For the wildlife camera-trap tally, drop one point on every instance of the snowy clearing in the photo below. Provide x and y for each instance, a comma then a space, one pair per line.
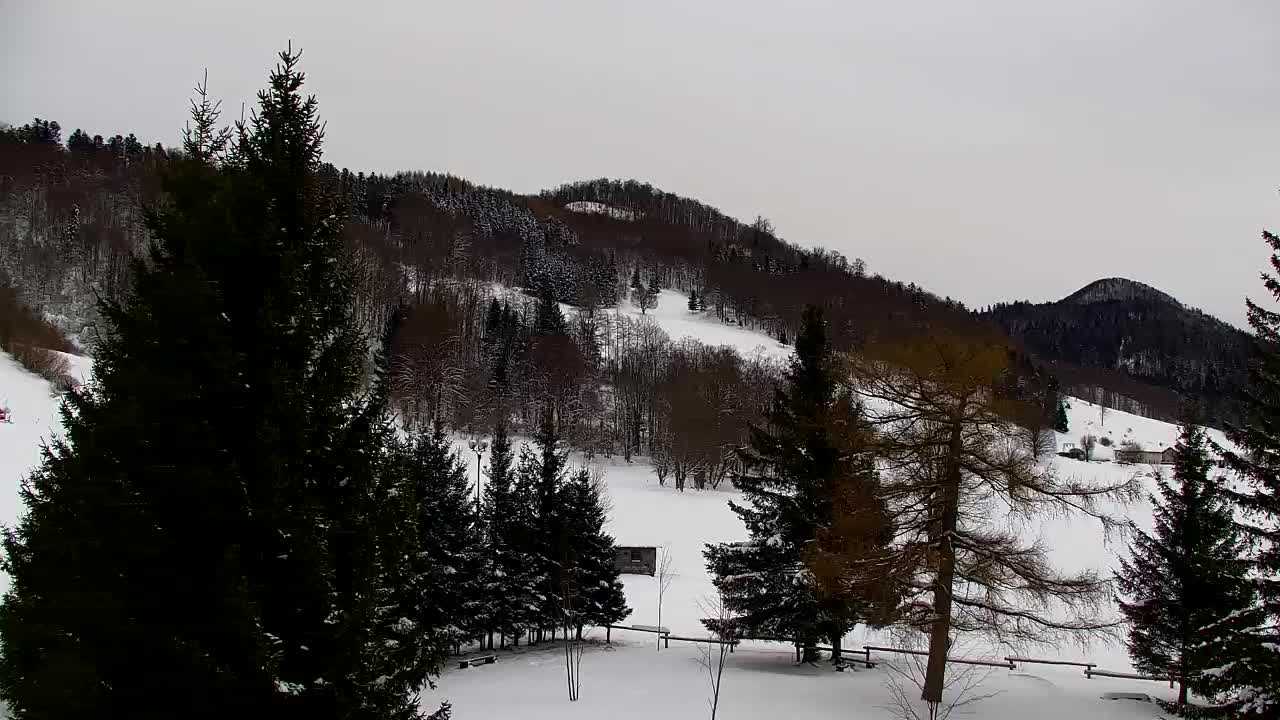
595, 208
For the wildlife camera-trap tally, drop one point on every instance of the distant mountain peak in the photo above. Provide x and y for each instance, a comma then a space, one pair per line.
1112, 289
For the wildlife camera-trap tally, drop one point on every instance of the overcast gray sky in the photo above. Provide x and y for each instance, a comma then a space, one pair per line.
987, 150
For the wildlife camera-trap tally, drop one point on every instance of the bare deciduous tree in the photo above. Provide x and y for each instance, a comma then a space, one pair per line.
427, 375
664, 582
569, 592
713, 655
646, 298
1088, 443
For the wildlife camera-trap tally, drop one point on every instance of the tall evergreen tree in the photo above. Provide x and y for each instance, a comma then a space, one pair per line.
1254, 677
652, 291
1186, 576
802, 471
591, 556
540, 479
492, 322
511, 585
209, 533
449, 543
693, 301
550, 319
1060, 422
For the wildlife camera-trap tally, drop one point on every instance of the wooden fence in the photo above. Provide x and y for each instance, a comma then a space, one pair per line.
1010, 662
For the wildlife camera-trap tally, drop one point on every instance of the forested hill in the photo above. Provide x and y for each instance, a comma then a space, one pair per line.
71, 216
1120, 324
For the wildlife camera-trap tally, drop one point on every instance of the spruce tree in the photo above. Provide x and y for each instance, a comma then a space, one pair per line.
693, 301
803, 472
1060, 422
1253, 678
492, 323
540, 479
449, 543
1186, 576
550, 319
511, 584
209, 536
652, 292
592, 554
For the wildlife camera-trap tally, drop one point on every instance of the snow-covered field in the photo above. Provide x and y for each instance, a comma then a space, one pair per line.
630, 678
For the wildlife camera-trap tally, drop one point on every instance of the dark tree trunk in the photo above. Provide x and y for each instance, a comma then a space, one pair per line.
940, 633
810, 651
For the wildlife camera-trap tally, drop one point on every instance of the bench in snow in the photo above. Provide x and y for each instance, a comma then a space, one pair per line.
841, 663
1140, 697
480, 660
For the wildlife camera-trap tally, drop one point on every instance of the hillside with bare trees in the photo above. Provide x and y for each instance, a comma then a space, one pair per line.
431, 247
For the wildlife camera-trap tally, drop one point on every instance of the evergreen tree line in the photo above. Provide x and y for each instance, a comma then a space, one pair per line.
524, 559
231, 523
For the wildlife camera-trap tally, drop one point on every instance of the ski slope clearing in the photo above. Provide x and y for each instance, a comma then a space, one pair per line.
672, 314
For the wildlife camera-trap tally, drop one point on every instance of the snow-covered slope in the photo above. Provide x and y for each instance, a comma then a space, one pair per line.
673, 316
631, 678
